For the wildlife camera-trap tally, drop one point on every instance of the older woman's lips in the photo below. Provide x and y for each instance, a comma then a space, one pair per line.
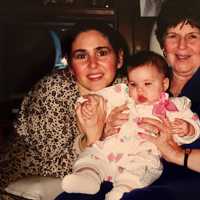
182, 57
142, 99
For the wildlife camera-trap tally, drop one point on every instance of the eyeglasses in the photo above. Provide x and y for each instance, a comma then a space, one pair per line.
189, 38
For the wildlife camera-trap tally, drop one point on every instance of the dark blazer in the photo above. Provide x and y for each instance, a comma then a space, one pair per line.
191, 90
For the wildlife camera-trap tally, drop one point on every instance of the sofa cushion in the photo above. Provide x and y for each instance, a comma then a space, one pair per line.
36, 188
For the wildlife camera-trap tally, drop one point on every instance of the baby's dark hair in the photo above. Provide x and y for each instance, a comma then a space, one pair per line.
148, 58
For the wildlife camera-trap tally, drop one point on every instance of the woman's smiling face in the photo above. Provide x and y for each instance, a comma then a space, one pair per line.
182, 48
94, 62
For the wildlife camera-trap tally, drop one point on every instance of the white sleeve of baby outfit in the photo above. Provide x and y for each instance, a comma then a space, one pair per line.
77, 143
183, 104
115, 95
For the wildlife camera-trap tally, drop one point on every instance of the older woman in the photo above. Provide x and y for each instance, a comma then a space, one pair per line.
178, 32
46, 127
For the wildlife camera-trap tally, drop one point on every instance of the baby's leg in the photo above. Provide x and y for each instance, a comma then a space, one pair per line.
89, 172
124, 182
86, 180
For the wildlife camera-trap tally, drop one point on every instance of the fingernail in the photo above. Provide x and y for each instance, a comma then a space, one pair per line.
141, 134
139, 121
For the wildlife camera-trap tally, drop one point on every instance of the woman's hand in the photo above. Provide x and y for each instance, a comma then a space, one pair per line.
164, 141
91, 115
115, 119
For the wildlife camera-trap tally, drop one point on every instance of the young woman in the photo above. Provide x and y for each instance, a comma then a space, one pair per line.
46, 128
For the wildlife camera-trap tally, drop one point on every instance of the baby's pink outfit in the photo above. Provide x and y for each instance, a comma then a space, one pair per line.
126, 158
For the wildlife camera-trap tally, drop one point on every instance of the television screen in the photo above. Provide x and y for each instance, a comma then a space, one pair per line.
27, 53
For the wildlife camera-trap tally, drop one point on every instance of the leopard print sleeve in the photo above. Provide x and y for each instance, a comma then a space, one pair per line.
48, 125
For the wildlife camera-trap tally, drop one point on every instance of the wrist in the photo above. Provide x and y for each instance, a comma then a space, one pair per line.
83, 142
88, 143
183, 156
180, 157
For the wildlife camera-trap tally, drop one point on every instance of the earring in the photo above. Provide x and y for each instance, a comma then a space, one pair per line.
164, 53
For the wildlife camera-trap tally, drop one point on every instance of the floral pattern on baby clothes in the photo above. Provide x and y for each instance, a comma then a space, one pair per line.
195, 117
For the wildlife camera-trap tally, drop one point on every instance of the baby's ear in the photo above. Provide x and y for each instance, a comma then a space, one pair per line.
166, 83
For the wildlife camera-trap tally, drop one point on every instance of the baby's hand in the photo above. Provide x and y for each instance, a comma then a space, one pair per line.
89, 106
91, 115
182, 128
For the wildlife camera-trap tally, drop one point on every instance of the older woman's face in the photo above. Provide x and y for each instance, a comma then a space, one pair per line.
94, 62
182, 48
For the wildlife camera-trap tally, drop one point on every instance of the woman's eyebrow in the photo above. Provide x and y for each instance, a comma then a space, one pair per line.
97, 49
103, 47
78, 51
173, 32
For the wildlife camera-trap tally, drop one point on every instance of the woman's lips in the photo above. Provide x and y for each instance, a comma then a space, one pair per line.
95, 76
182, 57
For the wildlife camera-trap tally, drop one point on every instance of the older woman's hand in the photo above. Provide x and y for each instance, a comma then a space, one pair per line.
115, 119
164, 141
91, 115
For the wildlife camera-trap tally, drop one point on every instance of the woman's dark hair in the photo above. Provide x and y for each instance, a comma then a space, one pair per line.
148, 58
174, 12
114, 37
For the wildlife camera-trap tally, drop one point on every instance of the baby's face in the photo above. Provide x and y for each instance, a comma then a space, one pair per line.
146, 84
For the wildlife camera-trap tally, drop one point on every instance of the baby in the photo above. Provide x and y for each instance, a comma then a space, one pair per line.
125, 158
